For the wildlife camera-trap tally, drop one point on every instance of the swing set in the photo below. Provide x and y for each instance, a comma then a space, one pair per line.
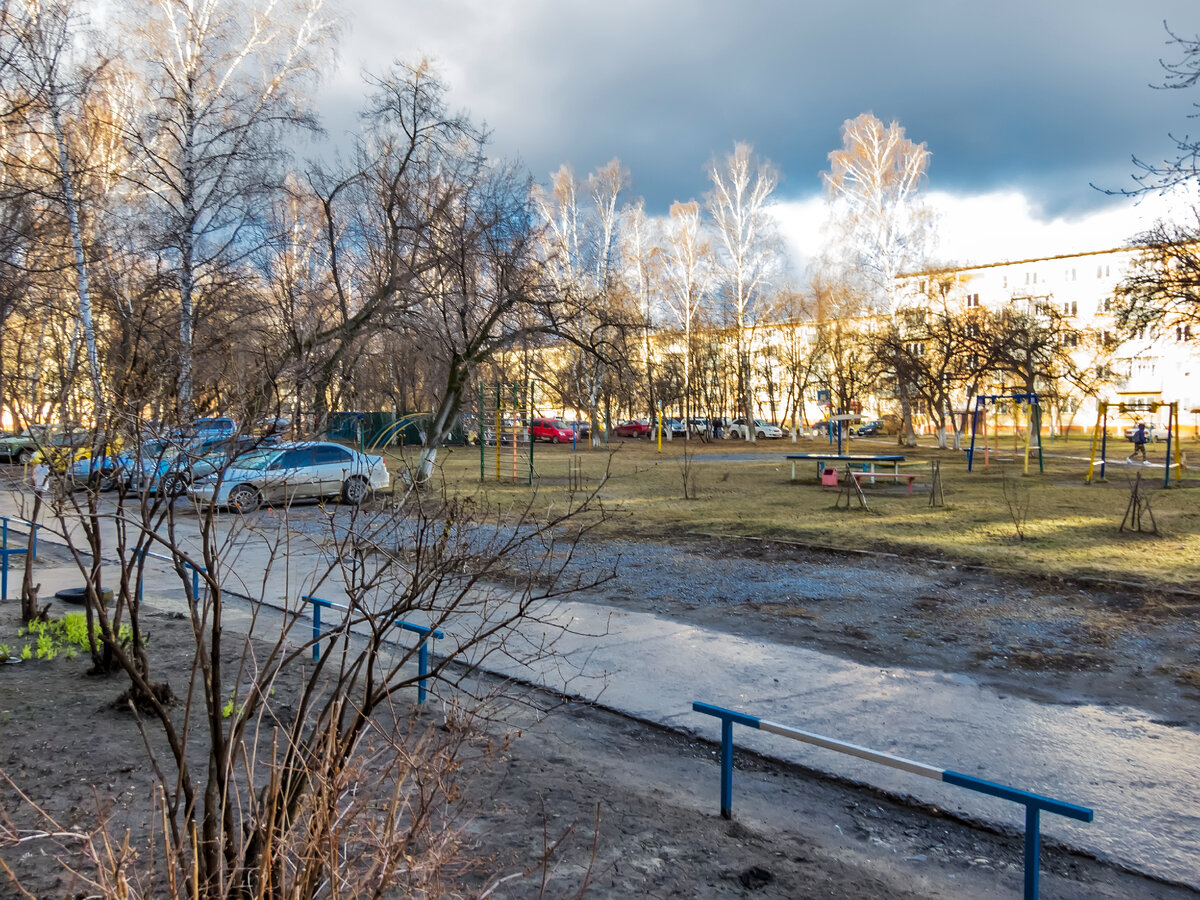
1174, 459
979, 418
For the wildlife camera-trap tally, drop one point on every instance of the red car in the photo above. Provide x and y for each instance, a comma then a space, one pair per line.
634, 428
552, 430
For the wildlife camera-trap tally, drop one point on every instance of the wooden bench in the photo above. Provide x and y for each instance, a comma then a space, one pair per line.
910, 477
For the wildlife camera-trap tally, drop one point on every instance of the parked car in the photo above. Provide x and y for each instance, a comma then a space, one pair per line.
739, 430
290, 472
21, 448
582, 429
171, 472
634, 428
1154, 432
213, 427
552, 430
868, 428
109, 470
507, 430
674, 428
698, 425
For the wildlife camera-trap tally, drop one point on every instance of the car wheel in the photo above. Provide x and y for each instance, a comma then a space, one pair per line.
25, 457
761, 435
355, 491
554, 439
173, 485
245, 498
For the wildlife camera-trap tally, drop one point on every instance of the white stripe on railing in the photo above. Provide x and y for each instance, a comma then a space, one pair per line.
895, 762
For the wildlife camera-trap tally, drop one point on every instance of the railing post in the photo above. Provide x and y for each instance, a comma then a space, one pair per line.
422, 670
726, 768
1032, 850
316, 631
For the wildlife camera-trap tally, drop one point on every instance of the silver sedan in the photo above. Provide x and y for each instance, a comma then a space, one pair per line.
288, 472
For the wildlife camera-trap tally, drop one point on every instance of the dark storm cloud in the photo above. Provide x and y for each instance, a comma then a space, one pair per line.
1043, 97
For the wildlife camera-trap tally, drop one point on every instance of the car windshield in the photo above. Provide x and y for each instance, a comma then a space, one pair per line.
158, 449
257, 460
559, 423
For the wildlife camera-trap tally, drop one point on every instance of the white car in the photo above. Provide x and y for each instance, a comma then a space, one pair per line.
1154, 433
288, 472
738, 430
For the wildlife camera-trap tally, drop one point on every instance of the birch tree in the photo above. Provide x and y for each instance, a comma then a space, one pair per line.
582, 247
51, 89
688, 272
643, 267
741, 188
874, 182
225, 82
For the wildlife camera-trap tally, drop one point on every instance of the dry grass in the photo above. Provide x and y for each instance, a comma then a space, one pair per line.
1072, 528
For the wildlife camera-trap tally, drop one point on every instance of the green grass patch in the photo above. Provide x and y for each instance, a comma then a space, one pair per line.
1070, 528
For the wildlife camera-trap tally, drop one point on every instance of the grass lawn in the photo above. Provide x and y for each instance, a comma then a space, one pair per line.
1070, 528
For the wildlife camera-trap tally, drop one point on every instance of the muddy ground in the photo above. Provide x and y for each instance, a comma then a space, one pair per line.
1046, 639
635, 805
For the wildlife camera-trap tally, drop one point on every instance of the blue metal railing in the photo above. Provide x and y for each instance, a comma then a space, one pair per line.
422, 648
1034, 803
194, 598
6, 552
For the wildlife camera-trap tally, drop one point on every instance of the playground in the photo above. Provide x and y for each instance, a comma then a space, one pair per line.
1070, 528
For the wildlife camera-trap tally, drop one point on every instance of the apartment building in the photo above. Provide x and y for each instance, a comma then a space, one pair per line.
1155, 365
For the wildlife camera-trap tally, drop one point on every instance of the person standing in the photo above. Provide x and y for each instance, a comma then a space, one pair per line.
1139, 442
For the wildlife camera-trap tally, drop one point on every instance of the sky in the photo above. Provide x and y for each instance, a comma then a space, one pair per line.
1023, 104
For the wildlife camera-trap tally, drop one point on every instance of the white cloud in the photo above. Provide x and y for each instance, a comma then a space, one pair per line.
976, 229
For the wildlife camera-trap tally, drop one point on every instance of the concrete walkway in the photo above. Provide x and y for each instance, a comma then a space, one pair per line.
1141, 777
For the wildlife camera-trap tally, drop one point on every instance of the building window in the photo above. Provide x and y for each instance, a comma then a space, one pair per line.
972, 300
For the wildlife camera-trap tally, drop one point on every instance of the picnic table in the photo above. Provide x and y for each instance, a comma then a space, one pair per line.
867, 463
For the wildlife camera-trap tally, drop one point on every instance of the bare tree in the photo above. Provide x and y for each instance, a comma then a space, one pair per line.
582, 248
738, 205
276, 771
57, 144
874, 181
224, 82
1163, 287
688, 271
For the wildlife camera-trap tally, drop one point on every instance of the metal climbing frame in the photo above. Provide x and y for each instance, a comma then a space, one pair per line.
505, 442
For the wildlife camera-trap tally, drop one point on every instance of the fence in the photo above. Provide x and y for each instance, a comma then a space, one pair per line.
422, 648
1034, 803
